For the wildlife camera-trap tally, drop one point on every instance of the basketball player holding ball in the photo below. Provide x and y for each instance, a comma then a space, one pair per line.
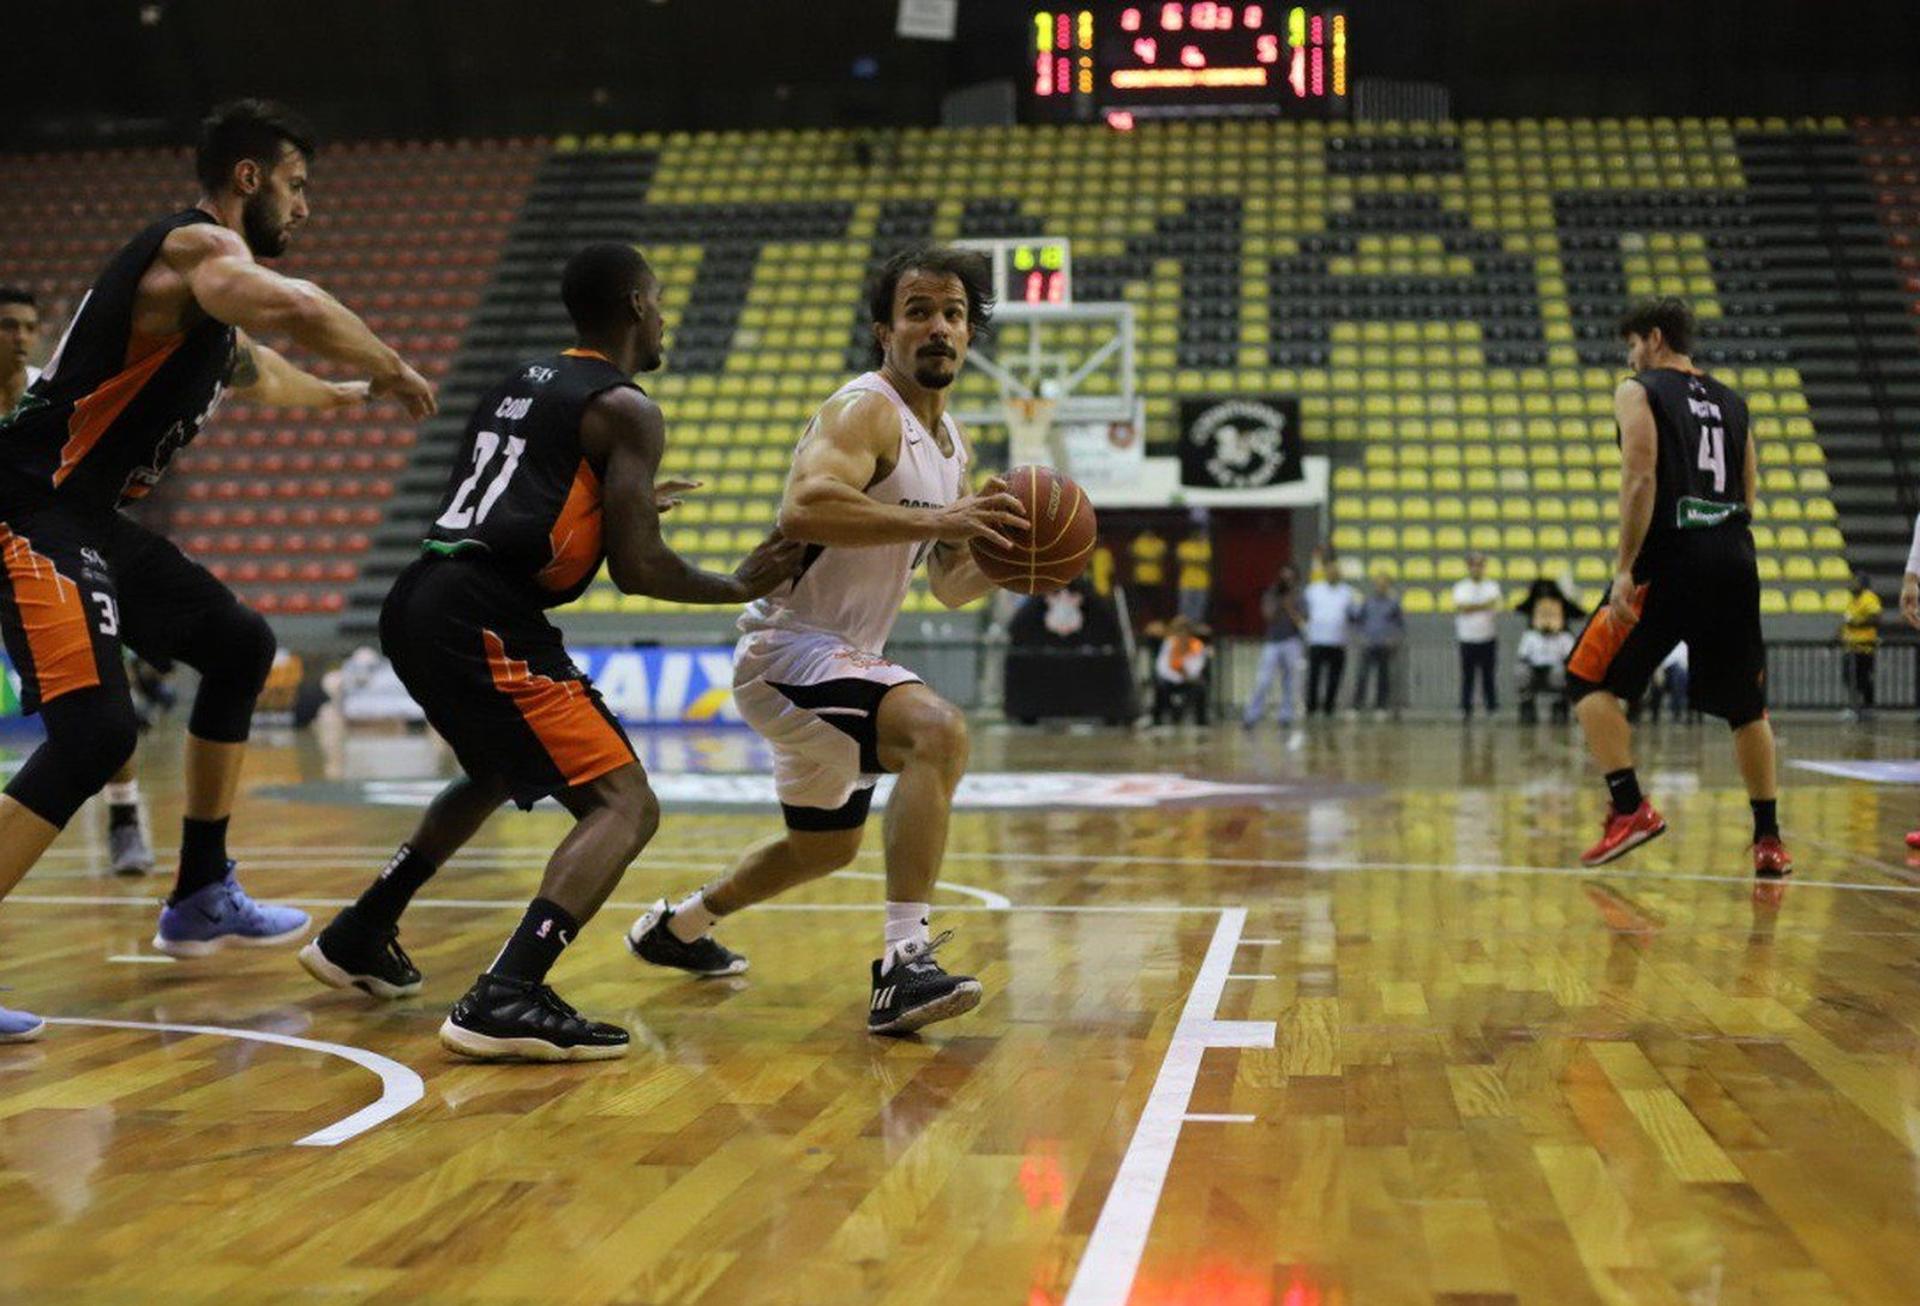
878, 486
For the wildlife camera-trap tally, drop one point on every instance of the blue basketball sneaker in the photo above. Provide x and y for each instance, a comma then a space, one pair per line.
220, 914
19, 1027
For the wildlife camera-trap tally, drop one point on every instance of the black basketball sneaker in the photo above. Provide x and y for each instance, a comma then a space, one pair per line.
503, 1019
351, 954
651, 940
917, 992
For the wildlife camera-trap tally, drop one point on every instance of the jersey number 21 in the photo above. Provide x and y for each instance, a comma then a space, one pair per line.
459, 515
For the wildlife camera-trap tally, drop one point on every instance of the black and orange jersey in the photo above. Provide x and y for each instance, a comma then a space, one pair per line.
1701, 442
523, 494
114, 406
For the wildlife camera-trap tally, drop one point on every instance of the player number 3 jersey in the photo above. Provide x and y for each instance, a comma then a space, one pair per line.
114, 406
522, 495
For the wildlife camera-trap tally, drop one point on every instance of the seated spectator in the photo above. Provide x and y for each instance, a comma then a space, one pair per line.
1180, 675
1544, 650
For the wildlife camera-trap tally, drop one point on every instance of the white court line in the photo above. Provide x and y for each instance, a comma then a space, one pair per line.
994, 901
1261, 943
1112, 1257
400, 1088
519, 904
1213, 1118
1252, 977
141, 959
333, 857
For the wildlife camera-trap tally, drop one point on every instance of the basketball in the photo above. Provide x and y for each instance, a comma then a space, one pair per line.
1055, 550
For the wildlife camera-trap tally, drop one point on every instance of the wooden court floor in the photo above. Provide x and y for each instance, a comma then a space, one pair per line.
1346, 1025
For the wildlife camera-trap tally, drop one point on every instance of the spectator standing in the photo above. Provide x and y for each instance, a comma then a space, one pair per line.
1383, 627
1476, 606
1332, 605
1284, 652
1860, 638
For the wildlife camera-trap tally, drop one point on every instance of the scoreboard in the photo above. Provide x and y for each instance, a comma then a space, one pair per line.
1035, 271
1185, 58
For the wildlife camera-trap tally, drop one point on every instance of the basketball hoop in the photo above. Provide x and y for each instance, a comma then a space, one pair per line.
1029, 426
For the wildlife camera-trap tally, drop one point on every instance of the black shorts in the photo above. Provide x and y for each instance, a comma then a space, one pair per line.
1702, 588
475, 649
78, 583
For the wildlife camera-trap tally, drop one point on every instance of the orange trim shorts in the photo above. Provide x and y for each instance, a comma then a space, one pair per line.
1701, 588
475, 650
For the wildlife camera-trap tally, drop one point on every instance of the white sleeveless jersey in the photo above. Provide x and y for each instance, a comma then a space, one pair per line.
856, 593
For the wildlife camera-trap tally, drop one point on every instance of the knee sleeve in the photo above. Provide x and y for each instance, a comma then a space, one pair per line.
233, 664
90, 735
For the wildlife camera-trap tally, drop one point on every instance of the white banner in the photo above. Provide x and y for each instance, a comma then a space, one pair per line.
928, 20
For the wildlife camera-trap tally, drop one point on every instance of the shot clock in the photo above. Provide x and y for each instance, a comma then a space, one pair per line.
1186, 58
1034, 271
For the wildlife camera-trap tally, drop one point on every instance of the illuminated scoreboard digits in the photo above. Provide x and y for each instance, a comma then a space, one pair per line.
1038, 274
1036, 271
1187, 57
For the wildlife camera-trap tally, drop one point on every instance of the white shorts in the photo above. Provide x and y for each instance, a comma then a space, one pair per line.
816, 700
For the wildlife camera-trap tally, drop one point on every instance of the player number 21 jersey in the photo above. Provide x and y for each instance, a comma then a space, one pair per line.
522, 494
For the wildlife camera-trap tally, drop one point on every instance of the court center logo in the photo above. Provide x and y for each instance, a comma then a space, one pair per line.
1240, 444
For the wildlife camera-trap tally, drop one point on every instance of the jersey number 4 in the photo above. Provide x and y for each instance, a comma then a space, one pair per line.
459, 514
1713, 455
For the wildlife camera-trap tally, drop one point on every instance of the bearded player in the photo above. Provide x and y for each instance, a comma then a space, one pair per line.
1685, 571
878, 486
163, 333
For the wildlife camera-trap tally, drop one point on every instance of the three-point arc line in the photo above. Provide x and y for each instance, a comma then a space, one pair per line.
400, 1087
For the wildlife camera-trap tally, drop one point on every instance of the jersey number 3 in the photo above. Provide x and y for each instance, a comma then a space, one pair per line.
459, 514
1713, 455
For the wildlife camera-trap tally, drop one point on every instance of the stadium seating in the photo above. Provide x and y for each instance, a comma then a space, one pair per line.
284, 505
1441, 296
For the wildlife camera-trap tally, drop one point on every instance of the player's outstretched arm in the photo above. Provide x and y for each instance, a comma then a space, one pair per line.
841, 455
261, 375
230, 287
623, 431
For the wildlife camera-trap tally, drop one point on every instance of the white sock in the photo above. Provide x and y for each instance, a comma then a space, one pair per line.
692, 918
906, 923
126, 795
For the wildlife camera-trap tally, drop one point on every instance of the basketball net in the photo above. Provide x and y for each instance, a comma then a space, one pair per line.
1029, 424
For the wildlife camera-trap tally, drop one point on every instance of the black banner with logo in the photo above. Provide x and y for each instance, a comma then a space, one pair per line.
1240, 443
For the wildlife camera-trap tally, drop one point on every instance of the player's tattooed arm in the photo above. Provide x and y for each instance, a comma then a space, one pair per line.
623, 432
263, 376
852, 445
222, 278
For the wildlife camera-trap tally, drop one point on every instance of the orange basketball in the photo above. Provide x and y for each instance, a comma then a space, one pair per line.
1056, 550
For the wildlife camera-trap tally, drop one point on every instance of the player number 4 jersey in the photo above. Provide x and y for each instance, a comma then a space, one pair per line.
1701, 427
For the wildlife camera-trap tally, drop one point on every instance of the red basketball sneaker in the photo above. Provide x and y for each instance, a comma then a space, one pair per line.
1770, 858
1625, 833
1913, 839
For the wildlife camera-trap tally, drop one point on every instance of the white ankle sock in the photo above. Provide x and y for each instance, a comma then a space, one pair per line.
692, 918
906, 923
125, 795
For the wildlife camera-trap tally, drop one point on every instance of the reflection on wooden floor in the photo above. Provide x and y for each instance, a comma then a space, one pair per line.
1410, 1052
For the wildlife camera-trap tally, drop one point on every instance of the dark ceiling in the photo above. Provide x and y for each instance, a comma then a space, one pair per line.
133, 70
